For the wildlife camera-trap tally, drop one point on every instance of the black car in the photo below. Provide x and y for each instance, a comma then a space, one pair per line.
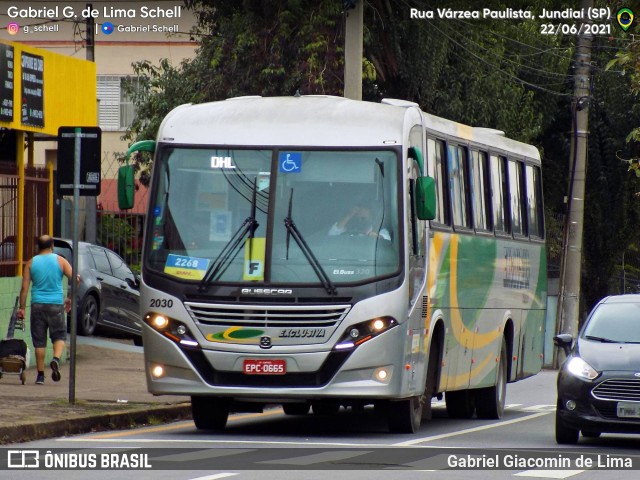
599, 383
108, 293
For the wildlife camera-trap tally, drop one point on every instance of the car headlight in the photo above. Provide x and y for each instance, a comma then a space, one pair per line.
579, 368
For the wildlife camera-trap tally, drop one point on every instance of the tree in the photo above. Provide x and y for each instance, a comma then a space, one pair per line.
495, 73
480, 72
627, 60
610, 212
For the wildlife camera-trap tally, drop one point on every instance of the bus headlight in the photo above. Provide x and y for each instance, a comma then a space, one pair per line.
172, 329
363, 332
159, 322
157, 371
383, 374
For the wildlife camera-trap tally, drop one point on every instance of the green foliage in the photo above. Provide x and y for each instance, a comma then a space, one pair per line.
498, 73
247, 47
116, 234
475, 72
491, 73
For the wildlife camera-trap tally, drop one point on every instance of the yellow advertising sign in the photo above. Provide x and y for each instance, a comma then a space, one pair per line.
41, 90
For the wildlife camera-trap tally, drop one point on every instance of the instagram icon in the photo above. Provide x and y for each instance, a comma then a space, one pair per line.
13, 28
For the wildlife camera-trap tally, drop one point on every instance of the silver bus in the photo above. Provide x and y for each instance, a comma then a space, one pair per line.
323, 253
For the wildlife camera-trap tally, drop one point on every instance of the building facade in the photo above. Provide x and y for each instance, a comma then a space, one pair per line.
113, 36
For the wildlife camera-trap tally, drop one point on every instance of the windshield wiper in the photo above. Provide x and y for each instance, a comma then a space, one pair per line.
292, 231
233, 246
599, 339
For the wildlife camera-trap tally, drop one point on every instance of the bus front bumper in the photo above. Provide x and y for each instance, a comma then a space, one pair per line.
374, 369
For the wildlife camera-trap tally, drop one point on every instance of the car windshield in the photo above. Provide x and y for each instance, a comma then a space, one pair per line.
294, 216
614, 322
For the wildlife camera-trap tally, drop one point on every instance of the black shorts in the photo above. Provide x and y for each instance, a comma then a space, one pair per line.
47, 316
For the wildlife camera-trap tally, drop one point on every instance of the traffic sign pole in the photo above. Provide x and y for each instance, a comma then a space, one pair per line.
74, 266
82, 179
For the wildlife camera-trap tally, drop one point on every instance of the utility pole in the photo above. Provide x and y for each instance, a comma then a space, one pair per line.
570, 274
353, 49
90, 202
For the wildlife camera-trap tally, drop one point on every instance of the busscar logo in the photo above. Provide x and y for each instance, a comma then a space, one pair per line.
23, 459
266, 291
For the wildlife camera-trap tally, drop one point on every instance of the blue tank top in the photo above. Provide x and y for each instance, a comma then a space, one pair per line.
46, 276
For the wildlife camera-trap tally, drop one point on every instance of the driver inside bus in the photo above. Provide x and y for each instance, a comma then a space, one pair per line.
358, 221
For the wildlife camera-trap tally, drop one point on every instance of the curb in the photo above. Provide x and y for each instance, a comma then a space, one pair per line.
95, 423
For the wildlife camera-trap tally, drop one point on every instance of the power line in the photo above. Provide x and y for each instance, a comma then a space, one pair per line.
521, 65
499, 70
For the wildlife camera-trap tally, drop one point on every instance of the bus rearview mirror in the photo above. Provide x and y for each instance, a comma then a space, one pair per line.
126, 184
126, 187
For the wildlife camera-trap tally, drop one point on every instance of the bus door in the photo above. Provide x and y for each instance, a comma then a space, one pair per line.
417, 266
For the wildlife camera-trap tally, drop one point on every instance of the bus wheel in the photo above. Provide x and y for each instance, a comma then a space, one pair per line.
210, 413
490, 401
432, 379
460, 404
295, 408
404, 416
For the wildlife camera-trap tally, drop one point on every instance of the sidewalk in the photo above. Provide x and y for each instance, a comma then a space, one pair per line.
110, 392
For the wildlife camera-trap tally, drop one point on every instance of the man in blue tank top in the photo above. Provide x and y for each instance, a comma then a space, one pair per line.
48, 304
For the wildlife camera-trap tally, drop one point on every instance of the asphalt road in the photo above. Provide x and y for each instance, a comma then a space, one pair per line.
272, 445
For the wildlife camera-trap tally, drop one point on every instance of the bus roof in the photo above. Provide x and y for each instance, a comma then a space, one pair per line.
312, 120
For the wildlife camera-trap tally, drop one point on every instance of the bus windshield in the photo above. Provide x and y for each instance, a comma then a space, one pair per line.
275, 216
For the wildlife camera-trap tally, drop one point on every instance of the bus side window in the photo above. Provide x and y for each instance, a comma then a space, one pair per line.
436, 170
480, 192
457, 163
516, 194
498, 191
534, 201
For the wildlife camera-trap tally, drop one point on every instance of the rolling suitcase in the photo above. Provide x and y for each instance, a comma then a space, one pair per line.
14, 353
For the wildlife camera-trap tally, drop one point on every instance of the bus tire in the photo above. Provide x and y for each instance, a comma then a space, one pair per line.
431, 387
210, 413
490, 401
460, 404
295, 408
405, 416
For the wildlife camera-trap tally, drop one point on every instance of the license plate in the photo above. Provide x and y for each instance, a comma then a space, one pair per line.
628, 410
264, 367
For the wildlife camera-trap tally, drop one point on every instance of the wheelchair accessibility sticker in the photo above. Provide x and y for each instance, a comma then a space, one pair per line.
290, 162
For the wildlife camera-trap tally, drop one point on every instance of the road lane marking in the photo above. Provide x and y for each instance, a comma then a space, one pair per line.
539, 408
278, 411
216, 476
221, 441
559, 474
323, 457
469, 430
